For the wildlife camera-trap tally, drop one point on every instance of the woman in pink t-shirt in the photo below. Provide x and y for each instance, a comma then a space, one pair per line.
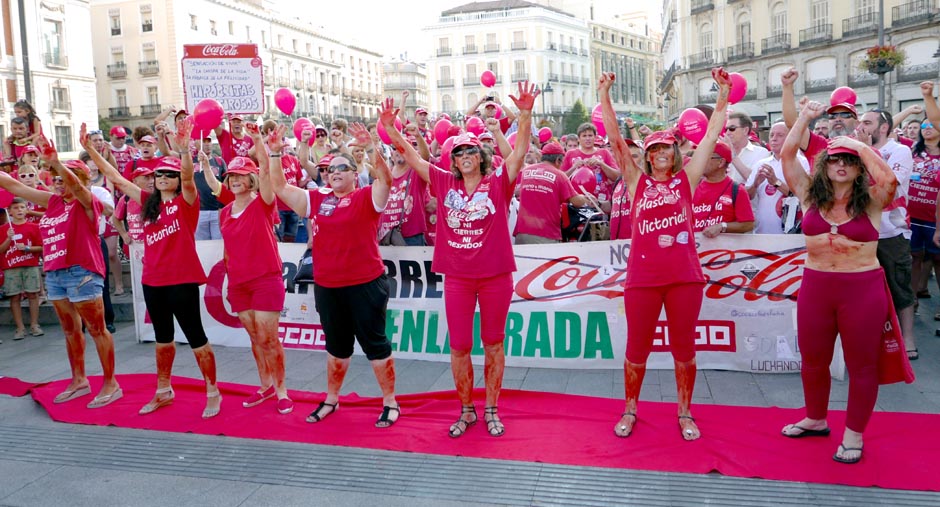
473, 251
663, 269
253, 267
350, 288
596, 159
172, 272
74, 269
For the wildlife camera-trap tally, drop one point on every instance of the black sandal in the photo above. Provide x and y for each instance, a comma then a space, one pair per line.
315, 416
384, 420
493, 425
462, 425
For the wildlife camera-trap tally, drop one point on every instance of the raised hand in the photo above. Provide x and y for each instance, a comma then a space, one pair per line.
645, 131
83, 137
492, 124
849, 142
862, 136
388, 113
720, 75
183, 134
606, 81
811, 109
527, 94
275, 139
789, 76
629, 123
926, 88
360, 132
306, 134
253, 132
47, 152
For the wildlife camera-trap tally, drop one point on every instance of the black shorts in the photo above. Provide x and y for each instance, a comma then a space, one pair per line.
894, 254
354, 312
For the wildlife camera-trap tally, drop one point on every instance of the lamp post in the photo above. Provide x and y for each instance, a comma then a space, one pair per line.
547, 88
881, 42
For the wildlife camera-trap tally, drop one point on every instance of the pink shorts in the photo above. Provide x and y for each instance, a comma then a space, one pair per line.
263, 294
461, 296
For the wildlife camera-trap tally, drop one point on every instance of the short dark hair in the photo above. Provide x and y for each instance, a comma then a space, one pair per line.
584, 127
552, 158
743, 119
884, 117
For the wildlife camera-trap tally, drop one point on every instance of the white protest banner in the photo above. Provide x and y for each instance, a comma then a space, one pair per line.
567, 309
231, 74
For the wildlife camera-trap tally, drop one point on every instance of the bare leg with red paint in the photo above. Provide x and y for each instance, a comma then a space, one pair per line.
336, 369
92, 313
75, 347
462, 369
384, 370
247, 319
685, 385
205, 358
165, 355
494, 366
633, 374
272, 350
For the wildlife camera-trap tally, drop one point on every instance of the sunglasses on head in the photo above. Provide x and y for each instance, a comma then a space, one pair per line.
341, 168
166, 174
467, 152
94, 132
841, 114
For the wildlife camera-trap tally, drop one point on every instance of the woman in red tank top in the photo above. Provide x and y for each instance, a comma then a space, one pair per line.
663, 269
843, 290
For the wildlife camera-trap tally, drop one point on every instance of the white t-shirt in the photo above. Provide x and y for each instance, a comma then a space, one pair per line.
106, 199
766, 197
749, 156
894, 219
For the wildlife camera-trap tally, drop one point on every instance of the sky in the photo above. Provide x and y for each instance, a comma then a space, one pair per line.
369, 22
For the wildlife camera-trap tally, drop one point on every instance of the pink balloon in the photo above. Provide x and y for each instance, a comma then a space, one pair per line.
303, 124
738, 88
475, 125
207, 115
440, 130
445, 116
584, 177
597, 118
511, 139
843, 95
285, 101
545, 134
488, 79
499, 112
693, 124
446, 148
383, 134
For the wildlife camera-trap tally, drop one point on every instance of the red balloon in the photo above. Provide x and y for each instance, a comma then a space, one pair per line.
383, 134
285, 101
584, 177
738, 88
843, 95
488, 79
693, 124
475, 125
299, 126
207, 115
545, 134
446, 148
597, 118
440, 130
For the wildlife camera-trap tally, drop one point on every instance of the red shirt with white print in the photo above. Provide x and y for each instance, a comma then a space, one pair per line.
345, 248
70, 236
27, 234
605, 186
232, 147
662, 251
124, 156
140, 163
542, 191
129, 209
472, 230
430, 220
923, 194
170, 244
713, 204
250, 246
405, 208
620, 212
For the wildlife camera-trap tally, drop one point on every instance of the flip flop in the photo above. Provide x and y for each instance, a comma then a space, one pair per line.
69, 395
107, 399
848, 461
806, 432
913, 355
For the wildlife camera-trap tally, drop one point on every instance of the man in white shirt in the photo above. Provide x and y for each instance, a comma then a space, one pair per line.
745, 153
766, 184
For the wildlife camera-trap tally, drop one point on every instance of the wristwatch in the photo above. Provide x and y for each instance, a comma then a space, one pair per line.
724, 227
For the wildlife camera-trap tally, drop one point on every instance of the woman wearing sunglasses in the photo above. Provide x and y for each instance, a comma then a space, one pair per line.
842, 202
74, 269
350, 288
172, 272
924, 190
473, 234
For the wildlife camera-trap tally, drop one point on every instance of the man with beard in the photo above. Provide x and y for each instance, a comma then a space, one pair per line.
843, 118
233, 142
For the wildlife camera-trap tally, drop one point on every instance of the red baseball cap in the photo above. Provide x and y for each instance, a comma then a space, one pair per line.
421, 110
236, 117
139, 171
486, 135
30, 149
325, 161
76, 164
466, 139
552, 148
148, 139
241, 165
453, 131
178, 113
631, 142
722, 149
117, 131
843, 105
659, 137
169, 164
841, 150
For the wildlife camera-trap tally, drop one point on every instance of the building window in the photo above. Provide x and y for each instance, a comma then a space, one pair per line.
819, 12
294, 44
280, 41
865, 7
121, 96
309, 49
53, 43
153, 95
778, 20
115, 15
212, 29
494, 68
193, 25
63, 138
60, 99
231, 28
146, 18
705, 38
264, 39
743, 30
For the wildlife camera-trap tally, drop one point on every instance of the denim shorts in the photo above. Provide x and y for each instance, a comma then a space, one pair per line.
922, 237
74, 283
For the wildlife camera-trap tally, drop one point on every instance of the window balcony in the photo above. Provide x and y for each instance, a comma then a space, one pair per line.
775, 44
860, 25
742, 51
56, 60
570, 79
445, 83
552, 46
323, 88
444, 52
519, 76
820, 85
563, 48
702, 6
863, 79
334, 90
115, 30
61, 106
119, 112
774, 91
518, 45
150, 109
704, 59
470, 50
146, 27
311, 86
552, 76
920, 72
117, 70
283, 82
819, 34
491, 48
912, 13
298, 84
471, 81
150, 67
584, 52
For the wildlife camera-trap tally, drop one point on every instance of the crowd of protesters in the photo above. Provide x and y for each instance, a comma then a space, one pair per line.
867, 182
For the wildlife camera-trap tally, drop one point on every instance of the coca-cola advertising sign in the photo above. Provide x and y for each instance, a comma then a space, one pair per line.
231, 74
567, 308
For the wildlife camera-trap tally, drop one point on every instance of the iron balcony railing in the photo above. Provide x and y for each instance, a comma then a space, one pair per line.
775, 44
818, 34
912, 13
858, 25
741, 51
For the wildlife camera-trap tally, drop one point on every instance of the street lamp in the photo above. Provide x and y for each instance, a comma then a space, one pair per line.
546, 89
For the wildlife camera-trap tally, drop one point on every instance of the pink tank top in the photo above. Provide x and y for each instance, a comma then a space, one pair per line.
662, 251
859, 228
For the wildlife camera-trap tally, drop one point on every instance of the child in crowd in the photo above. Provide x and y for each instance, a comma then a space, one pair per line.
21, 249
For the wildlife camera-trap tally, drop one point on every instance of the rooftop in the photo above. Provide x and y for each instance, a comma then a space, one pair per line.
499, 5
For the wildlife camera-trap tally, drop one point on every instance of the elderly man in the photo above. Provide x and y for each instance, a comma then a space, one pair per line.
745, 154
543, 188
766, 185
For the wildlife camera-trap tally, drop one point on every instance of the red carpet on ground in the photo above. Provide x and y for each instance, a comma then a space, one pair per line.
900, 451
15, 387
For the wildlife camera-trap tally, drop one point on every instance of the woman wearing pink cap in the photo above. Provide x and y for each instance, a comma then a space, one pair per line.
172, 272
843, 291
473, 234
74, 269
253, 267
663, 269
350, 287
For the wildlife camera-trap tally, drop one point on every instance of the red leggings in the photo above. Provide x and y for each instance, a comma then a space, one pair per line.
460, 301
853, 305
643, 306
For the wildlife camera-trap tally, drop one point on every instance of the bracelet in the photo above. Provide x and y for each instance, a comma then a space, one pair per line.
275, 155
724, 227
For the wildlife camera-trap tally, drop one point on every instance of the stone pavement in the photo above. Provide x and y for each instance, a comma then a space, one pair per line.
46, 463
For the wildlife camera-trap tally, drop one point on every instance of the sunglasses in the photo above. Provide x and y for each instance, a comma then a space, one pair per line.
833, 159
733, 128
340, 168
28, 175
841, 114
466, 152
166, 174
321, 134
926, 125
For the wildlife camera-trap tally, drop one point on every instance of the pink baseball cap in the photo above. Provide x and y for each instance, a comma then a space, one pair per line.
722, 149
841, 150
117, 131
465, 139
421, 110
30, 149
325, 161
236, 117
659, 137
631, 142
552, 148
486, 135
76, 164
241, 165
148, 139
169, 164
